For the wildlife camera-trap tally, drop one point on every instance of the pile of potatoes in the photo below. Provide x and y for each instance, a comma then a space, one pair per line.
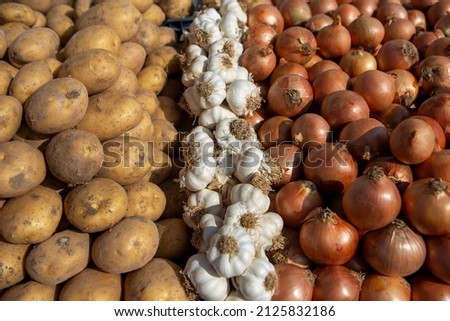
89, 128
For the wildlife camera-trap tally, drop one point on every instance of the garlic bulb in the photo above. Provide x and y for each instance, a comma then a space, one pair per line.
200, 203
226, 165
249, 164
209, 118
243, 96
231, 251
211, 89
192, 70
204, 278
209, 225
243, 74
199, 174
222, 64
249, 193
204, 33
231, 27
235, 134
229, 46
235, 8
190, 102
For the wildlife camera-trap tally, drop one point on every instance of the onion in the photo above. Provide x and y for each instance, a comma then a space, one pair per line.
310, 130
358, 262
256, 118
295, 200
322, 6
357, 61
406, 86
390, 10
401, 174
422, 4
290, 95
367, 7
433, 72
329, 82
259, 61
426, 287
267, 14
336, 283
286, 67
418, 18
342, 107
318, 21
330, 167
367, 138
348, 13
378, 204
326, 238
294, 283
438, 260
289, 159
437, 166
379, 287
393, 115
377, 88
366, 32
398, 29
438, 108
397, 54
395, 250
260, 35
412, 141
425, 206
439, 47
275, 130
438, 10
294, 12
444, 24
311, 62
296, 44
440, 140
250, 4
320, 67
334, 40
422, 40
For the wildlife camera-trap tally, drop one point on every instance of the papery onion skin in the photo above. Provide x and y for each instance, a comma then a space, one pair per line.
397, 54
418, 18
398, 29
317, 22
426, 287
357, 61
286, 67
438, 108
329, 82
275, 130
289, 157
268, 14
439, 133
393, 116
348, 13
406, 87
294, 12
401, 174
310, 130
438, 260
366, 32
389, 10
334, 40
336, 283
394, 250
439, 47
320, 67
260, 35
259, 61
294, 283
296, 44
379, 287
433, 72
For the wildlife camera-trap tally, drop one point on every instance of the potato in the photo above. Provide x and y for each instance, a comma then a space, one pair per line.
161, 167
58, 258
17, 12
152, 77
93, 37
81, 6
10, 117
175, 9
8, 68
12, 257
147, 36
111, 113
165, 57
64, 9
32, 217
127, 81
96, 205
74, 156
141, 5
56, 106
23, 168
122, 16
12, 30
28, 79
30, 291
92, 285
127, 159
97, 69
165, 136
132, 55
148, 100
154, 14
177, 196
127, 246
41, 20
54, 65
171, 110
44, 5
62, 24
174, 239
3, 44
158, 280
25, 134
33, 45
144, 130
145, 199
5, 81
167, 36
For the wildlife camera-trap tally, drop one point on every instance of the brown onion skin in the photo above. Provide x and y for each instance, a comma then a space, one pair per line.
390, 10
275, 130
290, 95
438, 260
320, 67
317, 22
438, 108
329, 82
295, 200
439, 47
367, 138
393, 115
358, 262
289, 158
357, 61
406, 87
438, 10
439, 134
433, 72
326, 238
257, 118
296, 44
436, 166
421, 40
425, 206
334, 40
294, 283
397, 54
377, 88
366, 32
322, 6
294, 12
348, 13
427, 287
311, 62
398, 29
394, 250
412, 141
366, 7
379, 287
286, 67
268, 14
422, 5
401, 174
443, 24
310, 130
330, 167
336, 283
418, 18
259, 61
381, 203
342, 107
260, 35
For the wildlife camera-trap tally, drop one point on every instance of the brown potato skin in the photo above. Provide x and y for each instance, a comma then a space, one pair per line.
127, 246
158, 280
152, 77
25, 134
30, 291
74, 156
147, 35
145, 199
10, 117
155, 14
175, 237
44, 5
132, 55
175, 9
23, 168
144, 129
12, 257
96, 206
32, 217
56, 106
58, 258
12, 30
17, 12
92, 285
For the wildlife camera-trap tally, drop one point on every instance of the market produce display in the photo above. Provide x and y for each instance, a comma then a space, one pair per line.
224, 150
